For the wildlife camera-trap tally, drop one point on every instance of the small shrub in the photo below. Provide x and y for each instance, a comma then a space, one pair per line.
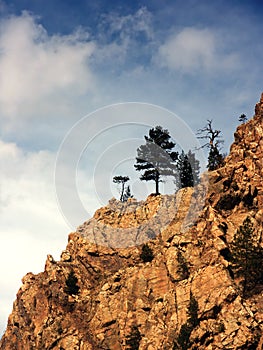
71, 284
221, 327
248, 198
228, 202
183, 267
146, 253
182, 341
247, 256
134, 338
193, 311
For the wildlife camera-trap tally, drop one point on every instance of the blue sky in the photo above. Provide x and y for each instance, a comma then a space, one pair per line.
62, 60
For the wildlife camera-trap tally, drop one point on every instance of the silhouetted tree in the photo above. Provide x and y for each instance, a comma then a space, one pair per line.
127, 194
247, 257
188, 170
121, 180
213, 137
195, 164
156, 158
242, 119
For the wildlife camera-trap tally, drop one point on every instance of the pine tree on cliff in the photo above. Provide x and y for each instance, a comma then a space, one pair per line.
188, 170
214, 140
242, 119
156, 158
247, 256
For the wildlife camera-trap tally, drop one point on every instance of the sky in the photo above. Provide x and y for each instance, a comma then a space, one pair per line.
81, 82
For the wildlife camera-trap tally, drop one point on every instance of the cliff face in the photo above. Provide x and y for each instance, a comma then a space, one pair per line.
118, 291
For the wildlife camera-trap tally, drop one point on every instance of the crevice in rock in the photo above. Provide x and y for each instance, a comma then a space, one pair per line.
226, 254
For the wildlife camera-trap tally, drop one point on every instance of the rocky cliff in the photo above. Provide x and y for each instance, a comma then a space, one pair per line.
104, 294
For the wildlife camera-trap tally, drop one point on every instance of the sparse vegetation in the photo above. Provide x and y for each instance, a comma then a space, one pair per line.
221, 327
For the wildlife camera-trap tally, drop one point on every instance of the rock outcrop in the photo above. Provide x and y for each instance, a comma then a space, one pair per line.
118, 292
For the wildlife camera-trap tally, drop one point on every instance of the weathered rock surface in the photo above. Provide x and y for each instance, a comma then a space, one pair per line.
118, 290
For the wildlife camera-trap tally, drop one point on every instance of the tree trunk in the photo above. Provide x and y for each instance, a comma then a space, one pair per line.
157, 177
122, 192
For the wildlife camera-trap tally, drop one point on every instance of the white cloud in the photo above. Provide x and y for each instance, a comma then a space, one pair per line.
35, 66
119, 36
127, 25
194, 49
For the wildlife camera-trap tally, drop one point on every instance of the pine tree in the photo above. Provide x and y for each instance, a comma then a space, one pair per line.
215, 158
188, 170
242, 119
156, 158
195, 164
247, 257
